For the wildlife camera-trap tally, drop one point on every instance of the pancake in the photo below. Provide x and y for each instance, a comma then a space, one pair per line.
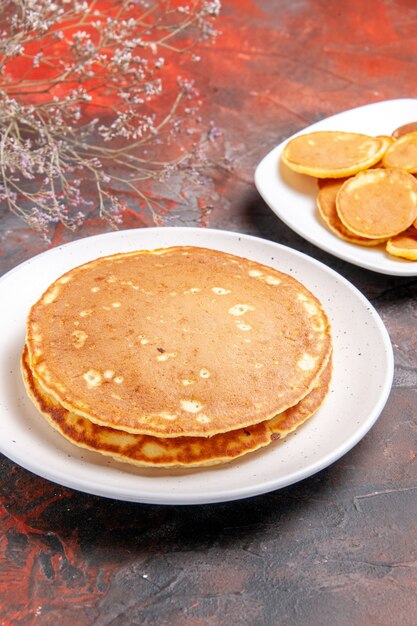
288, 421
404, 245
378, 203
145, 450
326, 204
404, 130
177, 342
333, 154
387, 139
402, 153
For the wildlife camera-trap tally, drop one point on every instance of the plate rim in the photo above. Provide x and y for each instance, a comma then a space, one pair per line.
92, 487
404, 268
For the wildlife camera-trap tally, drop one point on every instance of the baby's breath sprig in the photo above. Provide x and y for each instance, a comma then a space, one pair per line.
88, 96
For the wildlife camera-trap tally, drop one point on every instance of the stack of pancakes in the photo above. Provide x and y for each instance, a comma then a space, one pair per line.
367, 185
180, 356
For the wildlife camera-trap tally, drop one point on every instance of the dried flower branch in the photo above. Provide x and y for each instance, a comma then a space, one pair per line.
88, 94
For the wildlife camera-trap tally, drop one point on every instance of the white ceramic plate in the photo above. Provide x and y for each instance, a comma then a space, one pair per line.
363, 370
292, 196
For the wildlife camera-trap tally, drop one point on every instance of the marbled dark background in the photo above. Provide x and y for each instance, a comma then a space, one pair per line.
337, 549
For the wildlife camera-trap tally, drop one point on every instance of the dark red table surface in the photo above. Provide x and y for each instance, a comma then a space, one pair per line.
339, 548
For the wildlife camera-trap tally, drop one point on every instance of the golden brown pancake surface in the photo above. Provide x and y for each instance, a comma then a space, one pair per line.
287, 421
326, 204
179, 341
145, 450
404, 245
333, 154
378, 203
402, 153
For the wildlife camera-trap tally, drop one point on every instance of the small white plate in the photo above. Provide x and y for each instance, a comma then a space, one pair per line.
362, 378
292, 196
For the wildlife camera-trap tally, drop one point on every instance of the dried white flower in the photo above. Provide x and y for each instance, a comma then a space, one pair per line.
50, 148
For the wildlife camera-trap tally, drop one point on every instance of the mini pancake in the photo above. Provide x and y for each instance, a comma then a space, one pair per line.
378, 203
177, 342
404, 130
145, 450
402, 153
388, 141
333, 154
404, 245
326, 204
